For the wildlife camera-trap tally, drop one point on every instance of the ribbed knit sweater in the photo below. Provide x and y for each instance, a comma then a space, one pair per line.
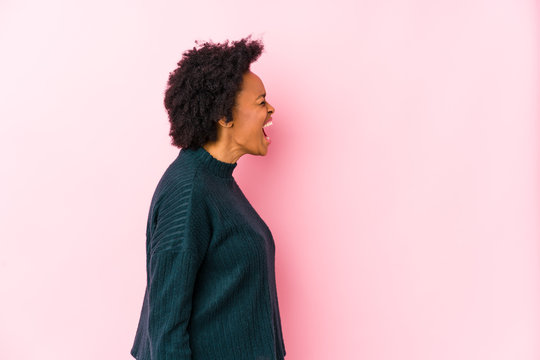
211, 291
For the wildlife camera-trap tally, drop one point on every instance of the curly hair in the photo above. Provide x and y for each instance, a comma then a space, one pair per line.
203, 89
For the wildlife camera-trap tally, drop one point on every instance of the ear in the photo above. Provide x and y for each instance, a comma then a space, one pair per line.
223, 122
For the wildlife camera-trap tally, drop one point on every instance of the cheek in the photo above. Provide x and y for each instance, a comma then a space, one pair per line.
250, 120
250, 115
254, 119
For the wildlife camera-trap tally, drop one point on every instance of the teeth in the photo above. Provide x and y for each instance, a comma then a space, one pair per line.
268, 124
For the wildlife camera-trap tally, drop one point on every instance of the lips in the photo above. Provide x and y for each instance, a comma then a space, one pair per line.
266, 122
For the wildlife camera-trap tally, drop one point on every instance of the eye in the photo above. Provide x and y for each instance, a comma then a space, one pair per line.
264, 102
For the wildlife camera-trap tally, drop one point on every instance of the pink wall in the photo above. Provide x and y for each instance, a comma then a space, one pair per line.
401, 184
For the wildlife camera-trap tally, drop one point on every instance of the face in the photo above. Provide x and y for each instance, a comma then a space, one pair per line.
250, 113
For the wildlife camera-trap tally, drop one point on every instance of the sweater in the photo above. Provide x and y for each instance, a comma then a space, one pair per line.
210, 285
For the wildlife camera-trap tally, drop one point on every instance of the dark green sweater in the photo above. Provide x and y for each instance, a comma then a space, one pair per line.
211, 290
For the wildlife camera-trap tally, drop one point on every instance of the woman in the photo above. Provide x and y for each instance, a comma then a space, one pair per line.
211, 291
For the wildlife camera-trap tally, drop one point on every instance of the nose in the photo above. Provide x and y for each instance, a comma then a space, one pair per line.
271, 109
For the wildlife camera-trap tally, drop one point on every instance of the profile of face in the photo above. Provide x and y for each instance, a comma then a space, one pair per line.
250, 112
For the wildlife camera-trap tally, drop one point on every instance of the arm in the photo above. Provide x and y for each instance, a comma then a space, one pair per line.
179, 240
172, 276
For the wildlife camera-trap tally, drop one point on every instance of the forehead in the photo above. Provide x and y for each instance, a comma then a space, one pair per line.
252, 85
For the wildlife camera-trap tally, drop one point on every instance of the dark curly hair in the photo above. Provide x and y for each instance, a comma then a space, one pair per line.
203, 89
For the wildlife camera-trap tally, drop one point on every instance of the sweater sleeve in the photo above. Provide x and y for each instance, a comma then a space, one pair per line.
180, 239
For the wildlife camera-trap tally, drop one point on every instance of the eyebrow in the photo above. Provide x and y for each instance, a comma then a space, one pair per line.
263, 95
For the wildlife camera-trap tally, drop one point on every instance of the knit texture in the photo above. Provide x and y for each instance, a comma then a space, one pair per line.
211, 290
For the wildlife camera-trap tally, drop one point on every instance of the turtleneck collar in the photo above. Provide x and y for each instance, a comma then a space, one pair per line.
215, 166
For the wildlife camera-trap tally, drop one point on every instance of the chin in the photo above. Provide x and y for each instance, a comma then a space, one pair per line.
259, 151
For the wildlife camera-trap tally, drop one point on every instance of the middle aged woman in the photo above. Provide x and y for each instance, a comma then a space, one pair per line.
211, 290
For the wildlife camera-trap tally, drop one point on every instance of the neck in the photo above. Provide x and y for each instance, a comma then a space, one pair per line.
221, 151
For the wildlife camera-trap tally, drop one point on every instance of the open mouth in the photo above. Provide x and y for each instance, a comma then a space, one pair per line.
267, 124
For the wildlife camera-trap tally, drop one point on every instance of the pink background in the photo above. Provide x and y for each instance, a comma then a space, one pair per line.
401, 184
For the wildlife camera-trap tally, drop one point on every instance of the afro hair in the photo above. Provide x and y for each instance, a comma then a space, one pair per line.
203, 89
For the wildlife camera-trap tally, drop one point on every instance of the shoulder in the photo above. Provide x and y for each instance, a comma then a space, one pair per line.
178, 182
178, 210
177, 189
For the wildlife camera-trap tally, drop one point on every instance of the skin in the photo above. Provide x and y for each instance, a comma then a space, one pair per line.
243, 135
